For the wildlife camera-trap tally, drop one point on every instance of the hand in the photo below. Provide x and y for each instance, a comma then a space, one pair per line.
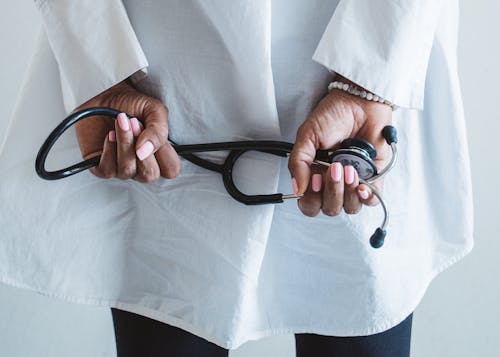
338, 116
130, 151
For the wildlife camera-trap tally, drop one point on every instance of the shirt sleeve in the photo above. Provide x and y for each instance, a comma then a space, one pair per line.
94, 44
382, 45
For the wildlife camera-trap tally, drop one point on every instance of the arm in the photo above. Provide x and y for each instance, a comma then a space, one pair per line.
96, 49
384, 47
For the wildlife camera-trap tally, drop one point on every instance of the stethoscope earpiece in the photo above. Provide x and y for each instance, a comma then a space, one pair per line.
378, 237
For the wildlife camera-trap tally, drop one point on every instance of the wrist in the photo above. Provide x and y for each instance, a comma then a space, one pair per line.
360, 93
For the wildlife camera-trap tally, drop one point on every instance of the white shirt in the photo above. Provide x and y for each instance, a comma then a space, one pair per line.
182, 251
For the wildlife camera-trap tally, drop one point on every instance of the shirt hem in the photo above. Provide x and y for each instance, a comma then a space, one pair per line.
203, 333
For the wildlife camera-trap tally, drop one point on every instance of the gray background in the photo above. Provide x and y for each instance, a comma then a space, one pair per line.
460, 313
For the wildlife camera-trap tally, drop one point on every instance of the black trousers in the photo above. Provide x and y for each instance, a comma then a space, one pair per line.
139, 336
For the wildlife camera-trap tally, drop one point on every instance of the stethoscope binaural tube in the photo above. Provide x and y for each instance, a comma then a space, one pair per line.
360, 154
354, 151
378, 237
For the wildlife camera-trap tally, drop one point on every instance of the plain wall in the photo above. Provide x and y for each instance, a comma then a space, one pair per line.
460, 313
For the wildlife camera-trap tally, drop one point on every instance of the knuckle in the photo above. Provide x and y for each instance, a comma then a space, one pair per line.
158, 134
161, 136
332, 211
302, 130
126, 139
148, 175
126, 171
164, 108
97, 172
373, 202
108, 174
158, 105
352, 210
171, 172
308, 210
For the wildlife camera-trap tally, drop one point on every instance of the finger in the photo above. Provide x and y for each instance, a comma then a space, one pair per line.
147, 169
91, 133
126, 160
352, 204
137, 127
310, 203
155, 133
366, 195
107, 163
333, 192
301, 158
168, 161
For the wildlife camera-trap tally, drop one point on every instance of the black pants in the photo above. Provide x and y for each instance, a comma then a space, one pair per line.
139, 336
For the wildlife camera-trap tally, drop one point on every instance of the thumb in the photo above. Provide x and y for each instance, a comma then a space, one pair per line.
155, 134
301, 158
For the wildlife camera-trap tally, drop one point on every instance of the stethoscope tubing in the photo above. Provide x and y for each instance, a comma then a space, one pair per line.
235, 148
279, 148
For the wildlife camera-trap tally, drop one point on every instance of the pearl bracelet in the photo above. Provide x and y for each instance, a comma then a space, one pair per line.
352, 89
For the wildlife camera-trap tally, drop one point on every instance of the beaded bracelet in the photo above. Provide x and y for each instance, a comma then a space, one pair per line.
352, 89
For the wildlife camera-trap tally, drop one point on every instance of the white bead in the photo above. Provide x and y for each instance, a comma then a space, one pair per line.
351, 89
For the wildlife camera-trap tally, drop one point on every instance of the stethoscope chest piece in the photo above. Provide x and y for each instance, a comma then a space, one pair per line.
358, 153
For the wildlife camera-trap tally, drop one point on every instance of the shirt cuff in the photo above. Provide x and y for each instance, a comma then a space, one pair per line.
94, 44
384, 46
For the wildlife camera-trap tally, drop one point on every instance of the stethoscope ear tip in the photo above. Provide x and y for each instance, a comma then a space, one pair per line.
377, 238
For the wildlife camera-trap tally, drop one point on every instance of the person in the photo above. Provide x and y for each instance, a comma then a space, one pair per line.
185, 268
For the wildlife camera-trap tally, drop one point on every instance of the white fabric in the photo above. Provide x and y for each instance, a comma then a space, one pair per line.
94, 35
182, 251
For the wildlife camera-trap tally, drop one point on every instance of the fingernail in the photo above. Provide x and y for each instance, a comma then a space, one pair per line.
295, 187
336, 171
123, 121
349, 174
136, 128
363, 193
316, 182
145, 150
112, 136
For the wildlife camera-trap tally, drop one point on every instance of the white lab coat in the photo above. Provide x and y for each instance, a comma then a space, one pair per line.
182, 251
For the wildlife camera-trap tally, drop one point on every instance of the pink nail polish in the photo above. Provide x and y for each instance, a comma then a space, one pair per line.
112, 136
316, 182
295, 186
136, 127
364, 194
349, 174
145, 150
336, 171
123, 121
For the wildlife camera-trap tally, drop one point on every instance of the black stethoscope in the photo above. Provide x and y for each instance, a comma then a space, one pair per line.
354, 151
